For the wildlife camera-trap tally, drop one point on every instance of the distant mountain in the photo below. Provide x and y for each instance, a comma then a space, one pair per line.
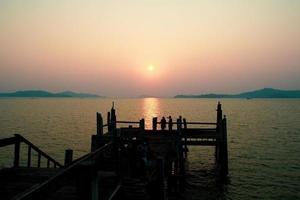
262, 93
42, 93
74, 94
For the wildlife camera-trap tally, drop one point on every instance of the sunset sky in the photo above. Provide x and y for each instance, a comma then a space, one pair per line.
156, 47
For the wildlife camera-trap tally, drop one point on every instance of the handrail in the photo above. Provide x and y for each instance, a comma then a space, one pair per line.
56, 180
7, 141
38, 150
115, 192
200, 123
16, 140
135, 122
127, 122
123, 122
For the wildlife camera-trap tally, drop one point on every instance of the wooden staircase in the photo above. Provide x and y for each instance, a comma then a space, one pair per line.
14, 181
134, 189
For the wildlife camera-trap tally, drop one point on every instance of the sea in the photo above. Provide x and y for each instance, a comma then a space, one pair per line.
263, 138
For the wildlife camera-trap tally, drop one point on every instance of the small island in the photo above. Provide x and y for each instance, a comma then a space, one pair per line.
262, 93
46, 94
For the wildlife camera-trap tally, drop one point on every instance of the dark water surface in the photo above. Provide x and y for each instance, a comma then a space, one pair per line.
263, 136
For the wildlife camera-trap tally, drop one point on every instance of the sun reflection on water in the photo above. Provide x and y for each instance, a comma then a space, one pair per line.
151, 108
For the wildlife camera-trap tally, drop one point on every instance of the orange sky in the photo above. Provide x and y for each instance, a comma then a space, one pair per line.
106, 47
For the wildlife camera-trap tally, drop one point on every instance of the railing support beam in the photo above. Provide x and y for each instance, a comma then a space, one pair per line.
142, 124
99, 124
29, 157
68, 157
154, 123
17, 153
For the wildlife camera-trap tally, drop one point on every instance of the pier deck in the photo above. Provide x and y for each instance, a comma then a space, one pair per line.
126, 162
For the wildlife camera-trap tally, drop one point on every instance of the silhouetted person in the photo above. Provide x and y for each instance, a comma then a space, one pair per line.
180, 119
170, 123
163, 123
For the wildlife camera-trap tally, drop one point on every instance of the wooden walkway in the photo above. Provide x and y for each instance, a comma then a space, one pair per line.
126, 162
17, 180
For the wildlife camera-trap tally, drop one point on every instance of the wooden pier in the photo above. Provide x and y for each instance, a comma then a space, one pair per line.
126, 162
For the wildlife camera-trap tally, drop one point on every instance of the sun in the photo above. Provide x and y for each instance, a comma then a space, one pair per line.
151, 68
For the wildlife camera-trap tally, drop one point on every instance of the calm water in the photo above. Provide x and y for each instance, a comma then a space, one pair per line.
264, 138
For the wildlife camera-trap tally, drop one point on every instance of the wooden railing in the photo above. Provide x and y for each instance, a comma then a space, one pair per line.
184, 124
17, 140
76, 170
186, 133
115, 192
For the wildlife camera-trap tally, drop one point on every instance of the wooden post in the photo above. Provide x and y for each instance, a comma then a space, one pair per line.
217, 151
219, 115
161, 178
94, 142
219, 132
108, 121
179, 122
182, 174
142, 124
97, 142
95, 187
224, 148
29, 156
170, 123
39, 160
17, 152
99, 124
180, 117
48, 163
154, 123
113, 118
68, 157
115, 141
185, 138
178, 144
184, 123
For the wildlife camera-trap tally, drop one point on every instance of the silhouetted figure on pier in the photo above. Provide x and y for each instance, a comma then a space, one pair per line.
170, 123
163, 123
